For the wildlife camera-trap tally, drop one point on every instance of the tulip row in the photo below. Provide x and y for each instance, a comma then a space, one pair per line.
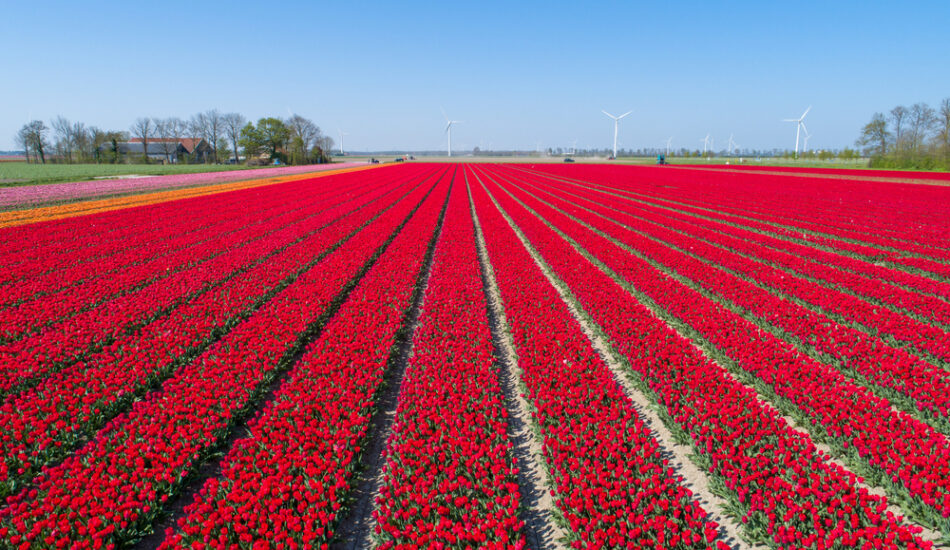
746, 283
118, 481
887, 324
926, 307
26, 361
788, 491
613, 487
894, 255
42, 424
851, 224
38, 194
448, 479
897, 447
900, 253
123, 277
869, 213
286, 483
174, 236
872, 276
860, 211
875, 272
61, 231
855, 173
48, 247
893, 327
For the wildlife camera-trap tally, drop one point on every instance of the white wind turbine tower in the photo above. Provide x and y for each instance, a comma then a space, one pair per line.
800, 121
705, 141
807, 136
732, 145
616, 126
342, 133
448, 129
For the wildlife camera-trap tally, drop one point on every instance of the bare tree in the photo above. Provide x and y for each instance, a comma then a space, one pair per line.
36, 132
144, 130
323, 149
922, 121
943, 123
163, 133
898, 118
303, 136
198, 126
177, 128
214, 124
64, 131
210, 126
23, 140
79, 135
233, 123
874, 135
97, 139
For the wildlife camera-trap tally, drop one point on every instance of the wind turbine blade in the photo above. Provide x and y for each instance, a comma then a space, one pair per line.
806, 112
790, 120
608, 114
447, 126
623, 115
443, 114
806, 129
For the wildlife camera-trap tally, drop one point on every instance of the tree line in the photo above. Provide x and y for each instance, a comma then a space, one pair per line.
294, 140
915, 137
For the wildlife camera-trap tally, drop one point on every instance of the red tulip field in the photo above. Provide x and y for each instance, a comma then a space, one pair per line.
485, 355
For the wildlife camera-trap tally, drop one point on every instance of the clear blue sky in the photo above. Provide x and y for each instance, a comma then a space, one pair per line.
515, 73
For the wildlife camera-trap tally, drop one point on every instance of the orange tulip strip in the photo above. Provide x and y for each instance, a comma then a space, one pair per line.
46, 213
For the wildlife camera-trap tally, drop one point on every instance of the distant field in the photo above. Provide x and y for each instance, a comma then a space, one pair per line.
747, 161
860, 163
22, 173
18, 197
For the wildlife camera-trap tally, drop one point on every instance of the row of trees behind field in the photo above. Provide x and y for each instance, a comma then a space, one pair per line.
231, 137
915, 137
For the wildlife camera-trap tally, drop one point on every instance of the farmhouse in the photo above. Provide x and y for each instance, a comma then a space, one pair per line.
170, 150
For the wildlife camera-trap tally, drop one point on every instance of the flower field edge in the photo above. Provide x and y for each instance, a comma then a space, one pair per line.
48, 213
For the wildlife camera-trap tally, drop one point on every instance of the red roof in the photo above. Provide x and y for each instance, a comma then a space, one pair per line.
188, 143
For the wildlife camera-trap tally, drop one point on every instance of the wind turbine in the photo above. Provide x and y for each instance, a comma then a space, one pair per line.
574, 148
616, 126
342, 133
705, 141
732, 145
669, 143
807, 136
800, 121
448, 129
